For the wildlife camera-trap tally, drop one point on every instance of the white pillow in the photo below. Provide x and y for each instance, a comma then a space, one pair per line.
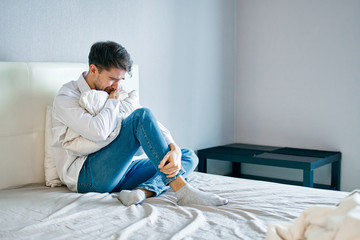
51, 176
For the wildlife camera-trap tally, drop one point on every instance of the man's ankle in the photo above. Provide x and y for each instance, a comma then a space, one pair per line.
177, 184
147, 192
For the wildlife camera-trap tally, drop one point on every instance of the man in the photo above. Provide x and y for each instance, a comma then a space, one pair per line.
112, 169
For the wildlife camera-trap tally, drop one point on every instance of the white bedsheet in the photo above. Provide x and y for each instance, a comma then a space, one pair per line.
38, 212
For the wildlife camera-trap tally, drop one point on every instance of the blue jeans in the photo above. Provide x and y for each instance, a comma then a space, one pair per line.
111, 168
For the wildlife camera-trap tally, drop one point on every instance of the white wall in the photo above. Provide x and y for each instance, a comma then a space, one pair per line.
298, 80
296, 63
185, 50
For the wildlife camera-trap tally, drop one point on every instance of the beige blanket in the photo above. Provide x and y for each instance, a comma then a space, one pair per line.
340, 222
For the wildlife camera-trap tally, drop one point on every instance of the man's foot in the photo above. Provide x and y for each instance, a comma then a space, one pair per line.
128, 197
189, 195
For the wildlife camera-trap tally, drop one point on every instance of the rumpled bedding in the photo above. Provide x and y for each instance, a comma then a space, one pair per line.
39, 212
338, 222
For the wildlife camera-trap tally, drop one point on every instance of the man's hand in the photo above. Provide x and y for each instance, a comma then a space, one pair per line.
171, 163
119, 94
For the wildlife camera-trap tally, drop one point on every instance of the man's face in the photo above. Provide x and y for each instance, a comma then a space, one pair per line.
108, 81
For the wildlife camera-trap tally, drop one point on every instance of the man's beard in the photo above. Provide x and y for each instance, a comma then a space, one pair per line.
109, 89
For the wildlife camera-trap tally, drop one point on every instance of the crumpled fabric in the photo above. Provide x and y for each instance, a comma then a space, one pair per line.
340, 222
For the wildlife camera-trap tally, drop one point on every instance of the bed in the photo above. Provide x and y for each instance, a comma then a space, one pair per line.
33, 205
40, 212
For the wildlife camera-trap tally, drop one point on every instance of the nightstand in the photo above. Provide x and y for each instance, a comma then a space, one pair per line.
304, 159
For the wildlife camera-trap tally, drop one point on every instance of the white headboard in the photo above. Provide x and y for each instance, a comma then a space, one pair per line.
27, 88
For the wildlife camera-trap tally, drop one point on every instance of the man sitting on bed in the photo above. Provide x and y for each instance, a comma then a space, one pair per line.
112, 168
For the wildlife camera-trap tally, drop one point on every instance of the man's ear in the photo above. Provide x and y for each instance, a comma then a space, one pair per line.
93, 69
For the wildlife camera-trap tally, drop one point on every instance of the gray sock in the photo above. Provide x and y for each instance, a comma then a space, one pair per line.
128, 197
189, 195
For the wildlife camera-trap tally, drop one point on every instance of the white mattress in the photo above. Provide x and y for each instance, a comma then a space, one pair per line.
39, 212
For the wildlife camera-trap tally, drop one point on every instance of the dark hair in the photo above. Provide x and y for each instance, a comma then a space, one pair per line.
107, 55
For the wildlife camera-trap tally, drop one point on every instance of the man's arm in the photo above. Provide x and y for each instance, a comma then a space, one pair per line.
171, 163
95, 128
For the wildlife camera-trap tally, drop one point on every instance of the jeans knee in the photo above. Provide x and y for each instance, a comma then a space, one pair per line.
143, 114
191, 157
142, 111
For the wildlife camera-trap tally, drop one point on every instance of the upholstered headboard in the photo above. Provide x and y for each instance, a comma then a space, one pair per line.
27, 88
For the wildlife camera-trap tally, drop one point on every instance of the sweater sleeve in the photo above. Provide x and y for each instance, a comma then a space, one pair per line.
95, 128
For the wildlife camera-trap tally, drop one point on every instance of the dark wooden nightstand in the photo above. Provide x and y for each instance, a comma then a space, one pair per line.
305, 159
